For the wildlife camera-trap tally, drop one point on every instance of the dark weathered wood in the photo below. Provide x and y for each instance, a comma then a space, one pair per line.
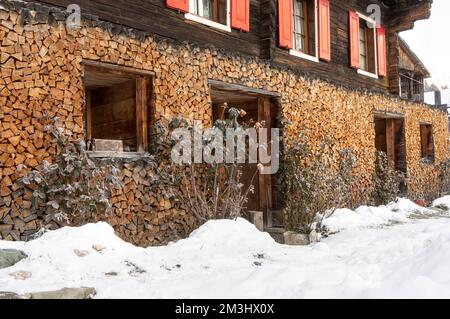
384, 114
88, 115
241, 88
115, 69
154, 17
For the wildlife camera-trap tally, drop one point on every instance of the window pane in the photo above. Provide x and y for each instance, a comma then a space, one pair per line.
214, 10
363, 64
299, 42
206, 9
299, 26
298, 7
362, 48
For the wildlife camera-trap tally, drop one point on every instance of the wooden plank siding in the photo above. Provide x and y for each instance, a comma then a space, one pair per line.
154, 17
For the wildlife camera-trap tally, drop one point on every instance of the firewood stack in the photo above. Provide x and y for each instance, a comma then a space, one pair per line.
144, 212
42, 75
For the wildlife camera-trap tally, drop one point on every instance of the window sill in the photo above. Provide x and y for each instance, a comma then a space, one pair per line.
209, 23
427, 161
368, 74
302, 55
118, 155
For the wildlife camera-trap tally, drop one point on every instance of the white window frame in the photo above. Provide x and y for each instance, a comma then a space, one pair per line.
303, 55
374, 23
194, 17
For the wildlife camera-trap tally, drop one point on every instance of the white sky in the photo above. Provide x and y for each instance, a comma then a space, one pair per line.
430, 40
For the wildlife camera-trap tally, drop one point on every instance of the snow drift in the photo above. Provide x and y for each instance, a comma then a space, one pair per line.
409, 258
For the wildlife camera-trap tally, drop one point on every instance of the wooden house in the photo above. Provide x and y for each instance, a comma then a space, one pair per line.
332, 68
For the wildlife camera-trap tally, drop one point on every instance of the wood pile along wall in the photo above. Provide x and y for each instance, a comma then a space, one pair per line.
42, 75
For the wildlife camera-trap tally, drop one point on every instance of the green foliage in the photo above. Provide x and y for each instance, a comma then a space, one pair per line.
73, 187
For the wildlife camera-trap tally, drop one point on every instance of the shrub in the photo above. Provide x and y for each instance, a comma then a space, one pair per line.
73, 187
313, 189
444, 177
209, 191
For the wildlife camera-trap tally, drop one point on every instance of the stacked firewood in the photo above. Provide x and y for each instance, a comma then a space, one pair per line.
42, 76
147, 213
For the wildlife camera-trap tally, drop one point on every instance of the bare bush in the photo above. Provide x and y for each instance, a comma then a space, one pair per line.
209, 191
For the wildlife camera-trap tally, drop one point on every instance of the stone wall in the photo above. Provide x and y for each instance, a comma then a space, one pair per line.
42, 75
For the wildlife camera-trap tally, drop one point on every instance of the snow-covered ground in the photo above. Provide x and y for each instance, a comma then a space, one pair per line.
397, 251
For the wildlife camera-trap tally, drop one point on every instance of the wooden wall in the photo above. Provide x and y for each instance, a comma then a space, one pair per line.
405, 61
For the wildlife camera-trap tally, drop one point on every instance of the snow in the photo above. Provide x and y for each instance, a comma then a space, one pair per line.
379, 252
444, 201
365, 217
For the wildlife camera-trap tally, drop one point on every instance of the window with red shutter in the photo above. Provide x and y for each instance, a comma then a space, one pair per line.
364, 40
324, 30
285, 12
240, 15
215, 13
309, 27
354, 40
182, 5
381, 47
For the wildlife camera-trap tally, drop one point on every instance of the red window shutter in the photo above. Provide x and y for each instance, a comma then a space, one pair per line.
381, 47
285, 17
182, 5
324, 30
240, 15
354, 40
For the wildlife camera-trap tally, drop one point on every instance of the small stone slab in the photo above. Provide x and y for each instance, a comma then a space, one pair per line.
9, 296
296, 239
10, 257
64, 294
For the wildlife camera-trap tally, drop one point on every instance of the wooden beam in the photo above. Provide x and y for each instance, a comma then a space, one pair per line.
117, 69
388, 115
241, 88
265, 181
403, 18
390, 139
88, 115
141, 113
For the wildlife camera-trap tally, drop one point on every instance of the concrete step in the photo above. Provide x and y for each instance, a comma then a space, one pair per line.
277, 234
